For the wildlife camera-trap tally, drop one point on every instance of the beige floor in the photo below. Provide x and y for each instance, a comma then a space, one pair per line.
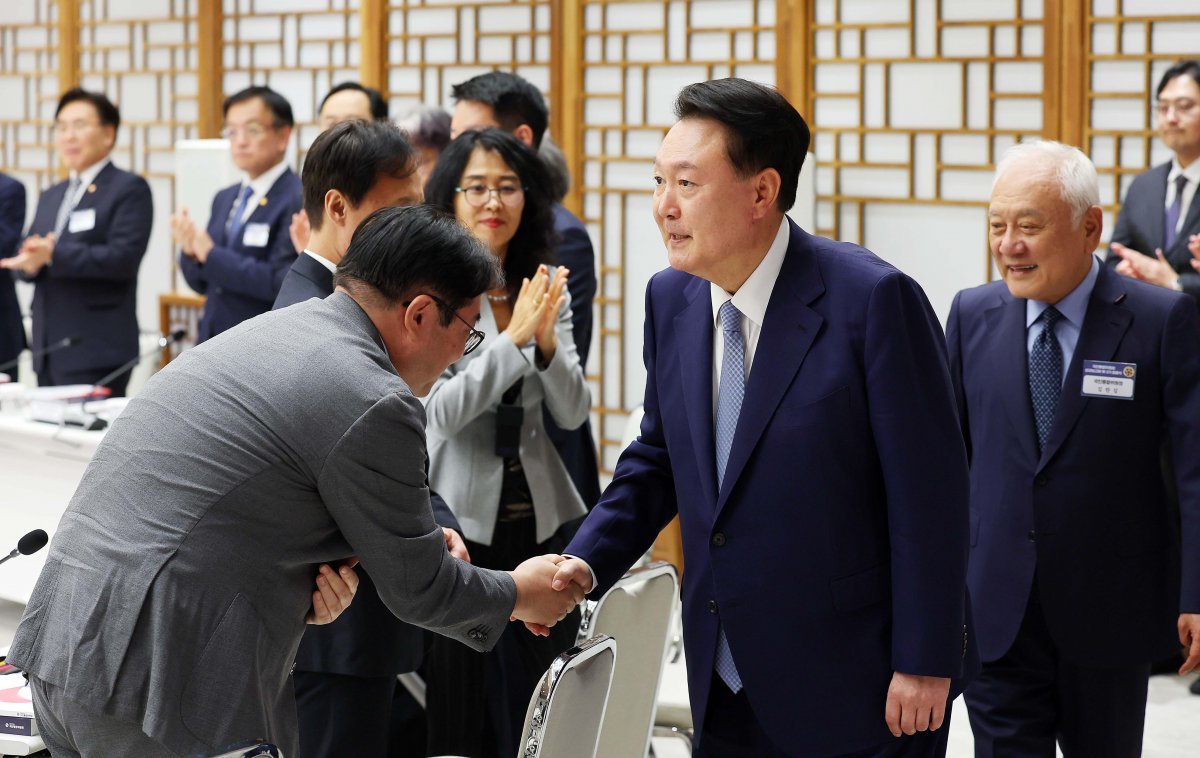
1172, 713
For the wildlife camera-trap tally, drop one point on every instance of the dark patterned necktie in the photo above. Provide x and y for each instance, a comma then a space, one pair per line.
1174, 212
1045, 375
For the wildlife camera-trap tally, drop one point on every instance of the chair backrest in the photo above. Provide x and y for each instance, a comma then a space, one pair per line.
638, 612
568, 705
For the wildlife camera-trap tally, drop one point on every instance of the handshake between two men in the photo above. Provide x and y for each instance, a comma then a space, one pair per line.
548, 588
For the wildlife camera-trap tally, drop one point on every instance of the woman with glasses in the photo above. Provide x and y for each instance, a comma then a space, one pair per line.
490, 457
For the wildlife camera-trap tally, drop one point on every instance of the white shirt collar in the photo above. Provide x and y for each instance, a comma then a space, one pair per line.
263, 184
752, 297
1191, 171
89, 174
323, 261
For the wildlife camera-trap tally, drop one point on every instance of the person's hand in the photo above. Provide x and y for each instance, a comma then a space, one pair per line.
36, 251
573, 574
1154, 269
916, 703
529, 308
335, 590
300, 230
202, 244
538, 604
1189, 637
555, 300
1194, 249
183, 231
455, 544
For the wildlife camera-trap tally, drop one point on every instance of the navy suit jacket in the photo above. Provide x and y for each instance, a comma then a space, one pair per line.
1090, 515
367, 639
1141, 225
239, 281
835, 553
90, 288
12, 220
576, 447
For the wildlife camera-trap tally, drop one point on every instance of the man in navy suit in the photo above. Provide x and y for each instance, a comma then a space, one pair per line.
83, 251
1160, 214
1075, 568
800, 420
346, 672
240, 261
12, 221
505, 101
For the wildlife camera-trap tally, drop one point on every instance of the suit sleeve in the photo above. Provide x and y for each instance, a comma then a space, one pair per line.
567, 396
921, 453
12, 217
954, 348
120, 254
575, 251
373, 482
640, 501
249, 276
1180, 357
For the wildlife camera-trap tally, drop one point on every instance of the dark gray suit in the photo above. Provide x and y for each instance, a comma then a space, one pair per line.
1141, 225
176, 587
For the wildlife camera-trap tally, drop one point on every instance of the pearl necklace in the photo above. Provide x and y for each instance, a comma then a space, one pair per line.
497, 298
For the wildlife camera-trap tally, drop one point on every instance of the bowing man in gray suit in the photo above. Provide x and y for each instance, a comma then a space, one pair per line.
168, 614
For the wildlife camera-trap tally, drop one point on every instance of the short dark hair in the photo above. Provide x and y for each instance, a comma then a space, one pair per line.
532, 244
105, 110
350, 157
379, 106
400, 252
1182, 68
762, 129
280, 108
514, 100
428, 126
556, 168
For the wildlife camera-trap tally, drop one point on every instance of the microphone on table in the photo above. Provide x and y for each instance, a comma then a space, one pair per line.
53, 347
29, 544
100, 388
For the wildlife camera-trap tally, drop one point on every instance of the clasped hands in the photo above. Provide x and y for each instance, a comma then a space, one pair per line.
36, 251
548, 588
192, 238
535, 312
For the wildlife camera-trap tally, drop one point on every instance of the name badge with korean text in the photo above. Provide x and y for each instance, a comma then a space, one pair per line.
82, 220
256, 235
1106, 379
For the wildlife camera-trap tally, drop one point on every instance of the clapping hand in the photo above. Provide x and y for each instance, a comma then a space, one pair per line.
36, 251
555, 300
300, 230
1153, 269
529, 309
191, 238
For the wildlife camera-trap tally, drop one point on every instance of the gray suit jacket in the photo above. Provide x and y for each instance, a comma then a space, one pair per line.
177, 584
464, 467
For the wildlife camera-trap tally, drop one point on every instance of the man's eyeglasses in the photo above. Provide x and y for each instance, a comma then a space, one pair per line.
73, 127
477, 195
253, 131
474, 337
1182, 107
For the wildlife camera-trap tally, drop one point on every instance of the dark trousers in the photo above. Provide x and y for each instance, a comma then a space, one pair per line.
356, 715
49, 377
732, 731
1021, 703
476, 702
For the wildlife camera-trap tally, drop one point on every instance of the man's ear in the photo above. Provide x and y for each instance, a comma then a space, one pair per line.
336, 206
524, 132
766, 191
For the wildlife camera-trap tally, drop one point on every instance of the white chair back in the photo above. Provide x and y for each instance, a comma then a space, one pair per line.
639, 613
568, 705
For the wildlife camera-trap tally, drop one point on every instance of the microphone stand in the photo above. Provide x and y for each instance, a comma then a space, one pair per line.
54, 348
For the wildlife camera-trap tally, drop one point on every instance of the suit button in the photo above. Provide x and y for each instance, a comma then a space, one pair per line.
1040, 480
718, 539
1032, 535
712, 606
218, 290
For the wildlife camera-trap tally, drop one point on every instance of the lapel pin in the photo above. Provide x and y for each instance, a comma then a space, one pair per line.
263, 201
91, 188
1120, 299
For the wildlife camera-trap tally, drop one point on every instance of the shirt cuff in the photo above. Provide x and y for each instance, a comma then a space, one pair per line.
589, 568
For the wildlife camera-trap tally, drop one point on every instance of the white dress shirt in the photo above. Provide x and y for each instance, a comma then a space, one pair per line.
260, 186
1192, 172
86, 177
323, 261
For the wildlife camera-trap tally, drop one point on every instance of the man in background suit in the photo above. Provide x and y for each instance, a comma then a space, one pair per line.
291, 441
12, 221
346, 101
346, 671
1160, 214
83, 251
800, 420
239, 262
505, 101
1075, 563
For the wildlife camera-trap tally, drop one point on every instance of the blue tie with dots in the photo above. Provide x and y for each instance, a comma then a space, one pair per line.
1045, 375
235, 221
730, 392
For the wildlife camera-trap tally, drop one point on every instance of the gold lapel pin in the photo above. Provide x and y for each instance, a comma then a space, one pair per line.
91, 188
263, 201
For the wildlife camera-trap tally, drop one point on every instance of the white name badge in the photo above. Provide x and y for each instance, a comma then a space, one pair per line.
1106, 379
256, 235
82, 220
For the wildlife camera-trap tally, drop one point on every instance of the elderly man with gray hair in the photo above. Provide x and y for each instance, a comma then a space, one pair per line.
1071, 381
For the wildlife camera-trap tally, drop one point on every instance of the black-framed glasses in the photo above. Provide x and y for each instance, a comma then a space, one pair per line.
474, 337
477, 195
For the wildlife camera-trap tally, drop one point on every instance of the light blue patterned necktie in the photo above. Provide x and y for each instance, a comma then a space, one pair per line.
730, 392
235, 221
65, 207
1045, 375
